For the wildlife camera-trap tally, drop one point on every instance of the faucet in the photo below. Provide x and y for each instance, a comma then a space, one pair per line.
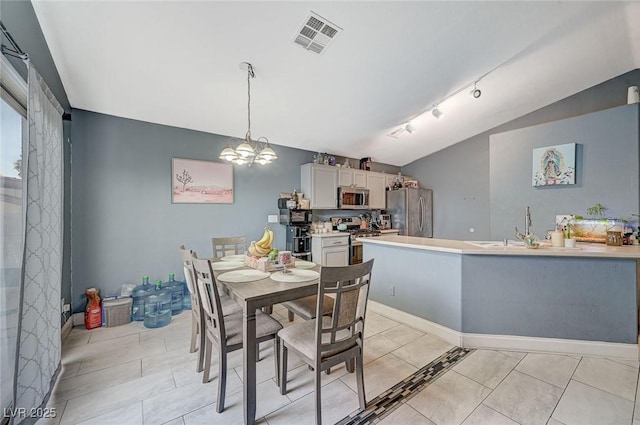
527, 224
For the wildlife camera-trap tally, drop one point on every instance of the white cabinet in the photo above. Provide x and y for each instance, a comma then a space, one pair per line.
319, 183
352, 178
330, 250
389, 179
377, 190
345, 177
360, 178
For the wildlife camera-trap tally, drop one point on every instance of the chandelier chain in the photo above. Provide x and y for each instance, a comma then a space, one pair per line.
250, 75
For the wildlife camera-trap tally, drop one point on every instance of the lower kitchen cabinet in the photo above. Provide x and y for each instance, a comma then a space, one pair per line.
330, 249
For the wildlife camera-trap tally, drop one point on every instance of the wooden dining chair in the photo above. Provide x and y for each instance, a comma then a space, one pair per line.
330, 340
197, 325
225, 332
228, 246
306, 307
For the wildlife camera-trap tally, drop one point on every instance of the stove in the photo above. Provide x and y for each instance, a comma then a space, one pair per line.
364, 233
353, 228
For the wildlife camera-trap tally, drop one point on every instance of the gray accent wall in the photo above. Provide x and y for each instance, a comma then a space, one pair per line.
124, 224
590, 299
607, 170
426, 284
460, 174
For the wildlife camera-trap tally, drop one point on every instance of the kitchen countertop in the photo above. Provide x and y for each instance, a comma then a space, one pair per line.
460, 247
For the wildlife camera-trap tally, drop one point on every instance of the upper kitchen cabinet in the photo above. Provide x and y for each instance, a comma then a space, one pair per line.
352, 178
319, 184
376, 183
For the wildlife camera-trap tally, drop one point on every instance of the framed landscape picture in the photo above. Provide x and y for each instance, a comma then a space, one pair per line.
201, 182
554, 165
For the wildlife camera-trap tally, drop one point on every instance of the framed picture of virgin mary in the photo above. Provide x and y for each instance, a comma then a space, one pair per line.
554, 165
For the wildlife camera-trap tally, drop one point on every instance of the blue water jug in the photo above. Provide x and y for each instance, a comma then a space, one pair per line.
177, 294
157, 307
138, 295
186, 299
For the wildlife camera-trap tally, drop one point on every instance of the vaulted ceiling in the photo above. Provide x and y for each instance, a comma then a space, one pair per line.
177, 63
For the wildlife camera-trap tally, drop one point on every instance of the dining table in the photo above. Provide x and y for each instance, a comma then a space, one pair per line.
254, 295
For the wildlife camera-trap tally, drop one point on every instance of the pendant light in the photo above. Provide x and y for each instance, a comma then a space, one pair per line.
249, 151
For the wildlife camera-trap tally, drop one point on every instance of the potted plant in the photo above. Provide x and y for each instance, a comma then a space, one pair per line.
567, 225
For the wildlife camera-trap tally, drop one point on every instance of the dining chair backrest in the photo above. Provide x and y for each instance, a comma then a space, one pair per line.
229, 246
187, 256
210, 298
349, 286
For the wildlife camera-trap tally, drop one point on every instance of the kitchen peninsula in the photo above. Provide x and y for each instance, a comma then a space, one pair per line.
581, 301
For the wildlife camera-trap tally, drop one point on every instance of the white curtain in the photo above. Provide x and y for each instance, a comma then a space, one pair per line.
39, 345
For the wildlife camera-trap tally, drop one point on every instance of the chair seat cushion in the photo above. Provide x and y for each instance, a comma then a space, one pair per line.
306, 307
229, 306
302, 337
265, 326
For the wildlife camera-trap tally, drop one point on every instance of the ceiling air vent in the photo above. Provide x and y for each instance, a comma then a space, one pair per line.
316, 33
397, 132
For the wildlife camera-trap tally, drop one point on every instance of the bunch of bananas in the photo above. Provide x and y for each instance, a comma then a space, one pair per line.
263, 246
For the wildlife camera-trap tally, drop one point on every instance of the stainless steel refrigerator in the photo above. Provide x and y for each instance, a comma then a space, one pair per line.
411, 211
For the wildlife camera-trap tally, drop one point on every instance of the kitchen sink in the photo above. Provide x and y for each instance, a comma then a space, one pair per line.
495, 244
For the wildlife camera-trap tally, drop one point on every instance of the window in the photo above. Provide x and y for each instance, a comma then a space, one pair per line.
12, 128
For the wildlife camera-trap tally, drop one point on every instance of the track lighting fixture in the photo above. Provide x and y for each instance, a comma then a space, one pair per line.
476, 93
436, 112
410, 128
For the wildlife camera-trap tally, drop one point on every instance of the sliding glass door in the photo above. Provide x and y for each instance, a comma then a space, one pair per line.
12, 128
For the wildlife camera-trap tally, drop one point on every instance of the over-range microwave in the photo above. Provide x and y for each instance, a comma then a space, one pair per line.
352, 198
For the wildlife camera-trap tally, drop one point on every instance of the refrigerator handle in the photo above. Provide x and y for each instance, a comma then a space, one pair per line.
421, 221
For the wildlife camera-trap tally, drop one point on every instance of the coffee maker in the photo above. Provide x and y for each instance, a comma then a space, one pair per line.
298, 232
385, 221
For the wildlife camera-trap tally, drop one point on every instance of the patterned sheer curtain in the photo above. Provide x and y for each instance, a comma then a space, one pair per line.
39, 346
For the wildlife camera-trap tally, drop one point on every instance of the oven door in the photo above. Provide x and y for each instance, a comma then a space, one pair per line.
356, 253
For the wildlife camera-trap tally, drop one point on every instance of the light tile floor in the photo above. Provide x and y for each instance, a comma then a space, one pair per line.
133, 375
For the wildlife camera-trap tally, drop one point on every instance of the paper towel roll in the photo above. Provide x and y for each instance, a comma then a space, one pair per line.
633, 95
557, 239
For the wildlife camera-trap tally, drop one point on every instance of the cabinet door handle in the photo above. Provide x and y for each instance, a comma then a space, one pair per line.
421, 221
337, 242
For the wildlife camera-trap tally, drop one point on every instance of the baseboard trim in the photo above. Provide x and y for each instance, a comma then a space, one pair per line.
442, 332
552, 345
66, 329
510, 342
78, 319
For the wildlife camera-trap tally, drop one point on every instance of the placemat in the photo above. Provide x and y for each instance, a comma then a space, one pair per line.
247, 275
226, 265
296, 275
236, 258
303, 264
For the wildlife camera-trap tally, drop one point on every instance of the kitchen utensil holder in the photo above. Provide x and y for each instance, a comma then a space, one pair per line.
614, 238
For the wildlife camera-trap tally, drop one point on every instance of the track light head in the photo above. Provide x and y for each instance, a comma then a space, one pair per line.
410, 128
436, 112
476, 93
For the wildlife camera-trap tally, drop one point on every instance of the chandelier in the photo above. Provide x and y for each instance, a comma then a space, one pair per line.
248, 150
